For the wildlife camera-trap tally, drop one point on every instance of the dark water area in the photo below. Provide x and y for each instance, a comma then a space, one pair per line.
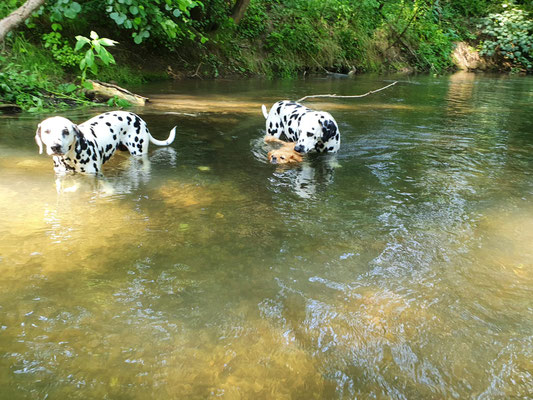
400, 268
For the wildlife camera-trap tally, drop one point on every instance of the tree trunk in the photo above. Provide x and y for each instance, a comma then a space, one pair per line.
239, 9
18, 16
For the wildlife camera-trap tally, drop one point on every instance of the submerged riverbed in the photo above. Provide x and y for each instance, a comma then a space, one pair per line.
401, 268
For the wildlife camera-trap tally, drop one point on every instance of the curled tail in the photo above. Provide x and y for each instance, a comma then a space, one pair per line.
169, 140
265, 112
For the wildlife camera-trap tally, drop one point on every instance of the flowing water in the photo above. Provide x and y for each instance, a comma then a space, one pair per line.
401, 268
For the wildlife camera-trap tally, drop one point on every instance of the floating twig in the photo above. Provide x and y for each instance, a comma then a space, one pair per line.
348, 97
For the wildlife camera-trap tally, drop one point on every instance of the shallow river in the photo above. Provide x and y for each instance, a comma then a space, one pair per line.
402, 268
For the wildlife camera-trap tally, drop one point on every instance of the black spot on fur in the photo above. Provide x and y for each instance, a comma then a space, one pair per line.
137, 124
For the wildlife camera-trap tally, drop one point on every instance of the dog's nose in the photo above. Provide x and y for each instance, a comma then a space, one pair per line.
56, 148
299, 149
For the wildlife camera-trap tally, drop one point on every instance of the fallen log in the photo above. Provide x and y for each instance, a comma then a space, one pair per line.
103, 91
10, 108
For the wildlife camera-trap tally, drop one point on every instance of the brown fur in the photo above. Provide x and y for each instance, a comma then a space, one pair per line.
283, 155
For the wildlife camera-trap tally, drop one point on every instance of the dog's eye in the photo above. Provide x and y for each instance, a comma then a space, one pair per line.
309, 134
65, 132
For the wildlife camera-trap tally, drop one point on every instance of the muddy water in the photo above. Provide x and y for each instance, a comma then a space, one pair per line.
401, 268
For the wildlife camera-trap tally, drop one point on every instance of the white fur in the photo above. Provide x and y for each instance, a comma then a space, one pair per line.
86, 147
311, 130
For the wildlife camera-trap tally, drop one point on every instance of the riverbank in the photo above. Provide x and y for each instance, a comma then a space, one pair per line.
40, 65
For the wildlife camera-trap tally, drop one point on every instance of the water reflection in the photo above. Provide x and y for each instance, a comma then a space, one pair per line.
399, 269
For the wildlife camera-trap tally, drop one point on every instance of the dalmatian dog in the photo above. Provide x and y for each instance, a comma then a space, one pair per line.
86, 147
311, 130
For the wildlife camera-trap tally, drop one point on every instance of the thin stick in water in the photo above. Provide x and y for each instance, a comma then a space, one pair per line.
348, 97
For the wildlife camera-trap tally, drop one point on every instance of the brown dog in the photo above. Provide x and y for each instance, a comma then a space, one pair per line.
283, 155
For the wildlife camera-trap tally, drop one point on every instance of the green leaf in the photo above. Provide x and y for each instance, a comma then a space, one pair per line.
89, 58
134, 10
81, 41
56, 27
103, 54
87, 85
123, 103
69, 14
176, 12
76, 7
107, 42
70, 88
93, 35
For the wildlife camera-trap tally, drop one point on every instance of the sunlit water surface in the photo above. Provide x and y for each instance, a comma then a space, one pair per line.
401, 268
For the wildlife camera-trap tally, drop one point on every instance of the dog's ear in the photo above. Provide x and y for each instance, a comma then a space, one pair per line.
77, 131
329, 129
38, 139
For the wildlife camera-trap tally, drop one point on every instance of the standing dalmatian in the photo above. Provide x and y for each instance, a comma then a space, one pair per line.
311, 130
86, 147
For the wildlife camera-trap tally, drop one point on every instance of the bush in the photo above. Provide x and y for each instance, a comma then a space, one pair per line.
510, 36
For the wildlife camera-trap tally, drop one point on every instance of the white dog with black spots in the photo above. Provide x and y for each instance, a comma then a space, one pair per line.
311, 130
86, 147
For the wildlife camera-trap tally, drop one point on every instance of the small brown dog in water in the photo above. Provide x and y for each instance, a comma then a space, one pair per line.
283, 155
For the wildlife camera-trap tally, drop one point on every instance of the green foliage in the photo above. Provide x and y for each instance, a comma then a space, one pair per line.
255, 23
28, 79
20, 86
166, 20
61, 50
115, 101
7, 6
509, 35
97, 51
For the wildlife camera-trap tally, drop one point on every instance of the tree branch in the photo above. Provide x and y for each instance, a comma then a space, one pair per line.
18, 16
348, 97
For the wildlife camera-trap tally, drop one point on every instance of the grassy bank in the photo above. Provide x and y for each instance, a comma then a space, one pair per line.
174, 39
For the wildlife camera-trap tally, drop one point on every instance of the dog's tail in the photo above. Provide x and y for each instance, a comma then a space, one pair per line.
164, 142
265, 112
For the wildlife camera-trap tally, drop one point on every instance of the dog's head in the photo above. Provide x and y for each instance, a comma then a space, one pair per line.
284, 155
315, 128
57, 134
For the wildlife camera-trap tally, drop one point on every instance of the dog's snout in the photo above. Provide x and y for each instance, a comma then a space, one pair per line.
56, 148
299, 149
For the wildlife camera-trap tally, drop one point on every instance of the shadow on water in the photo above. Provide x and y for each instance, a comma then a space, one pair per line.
399, 268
